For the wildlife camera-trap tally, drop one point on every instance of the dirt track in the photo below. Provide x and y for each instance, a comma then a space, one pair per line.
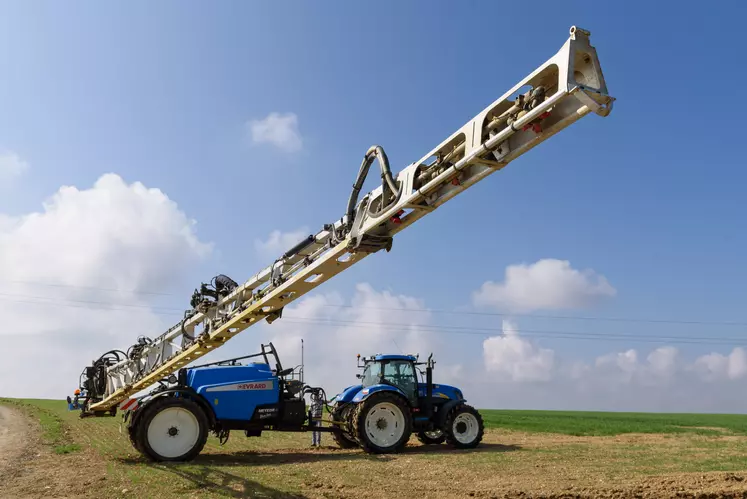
29, 469
13, 431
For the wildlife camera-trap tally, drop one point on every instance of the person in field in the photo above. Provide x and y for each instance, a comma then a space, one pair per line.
316, 416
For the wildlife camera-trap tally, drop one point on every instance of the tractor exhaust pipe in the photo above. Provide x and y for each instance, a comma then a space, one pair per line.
429, 387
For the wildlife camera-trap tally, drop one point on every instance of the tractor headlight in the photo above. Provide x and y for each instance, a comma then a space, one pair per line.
459, 395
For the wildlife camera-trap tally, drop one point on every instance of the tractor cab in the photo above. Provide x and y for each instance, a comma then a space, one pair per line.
403, 373
395, 370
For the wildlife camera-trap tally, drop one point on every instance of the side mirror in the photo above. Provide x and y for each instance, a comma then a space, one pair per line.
359, 376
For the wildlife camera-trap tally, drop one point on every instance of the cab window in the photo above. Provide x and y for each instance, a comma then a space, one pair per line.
400, 373
371, 374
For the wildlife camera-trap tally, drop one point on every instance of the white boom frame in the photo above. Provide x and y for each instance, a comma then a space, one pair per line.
485, 144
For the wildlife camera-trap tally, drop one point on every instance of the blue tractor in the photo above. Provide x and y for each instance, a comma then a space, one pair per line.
391, 403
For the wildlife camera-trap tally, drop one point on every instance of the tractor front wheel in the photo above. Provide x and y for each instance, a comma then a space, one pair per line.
431, 437
382, 423
171, 429
464, 427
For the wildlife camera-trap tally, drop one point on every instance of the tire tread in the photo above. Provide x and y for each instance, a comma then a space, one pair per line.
359, 429
338, 436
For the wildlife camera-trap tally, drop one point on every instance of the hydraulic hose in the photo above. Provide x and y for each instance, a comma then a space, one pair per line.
187, 315
374, 152
96, 373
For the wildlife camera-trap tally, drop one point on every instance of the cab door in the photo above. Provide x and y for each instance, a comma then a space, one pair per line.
401, 373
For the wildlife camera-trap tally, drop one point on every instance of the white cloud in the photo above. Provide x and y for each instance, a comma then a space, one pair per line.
279, 130
516, 359
546, 284
279, 242
626, 362
715, 366
663, 361
663, 367
11, 166
660, 368
113, 235
627, 380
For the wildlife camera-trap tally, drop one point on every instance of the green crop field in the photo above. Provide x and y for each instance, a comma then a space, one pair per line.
535, 453
615, 423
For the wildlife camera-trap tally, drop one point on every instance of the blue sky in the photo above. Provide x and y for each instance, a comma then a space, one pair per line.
652, 197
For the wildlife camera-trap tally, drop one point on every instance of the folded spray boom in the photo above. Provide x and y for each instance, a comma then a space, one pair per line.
564, 89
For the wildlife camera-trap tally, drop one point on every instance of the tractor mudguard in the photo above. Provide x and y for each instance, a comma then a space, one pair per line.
347, 394
444, 410
184, 391
369, 390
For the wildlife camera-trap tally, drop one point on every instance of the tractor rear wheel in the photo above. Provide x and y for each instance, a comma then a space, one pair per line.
171, 429
431, 437
382, 423
341, 415
464, 427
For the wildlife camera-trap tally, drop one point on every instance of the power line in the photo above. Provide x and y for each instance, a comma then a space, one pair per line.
406, 310
541, 316
89, 307
91, 288
439, 329
498, 330
551, 334
177, 312
48, 299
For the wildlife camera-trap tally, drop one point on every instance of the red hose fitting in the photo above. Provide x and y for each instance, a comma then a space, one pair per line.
395, 218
